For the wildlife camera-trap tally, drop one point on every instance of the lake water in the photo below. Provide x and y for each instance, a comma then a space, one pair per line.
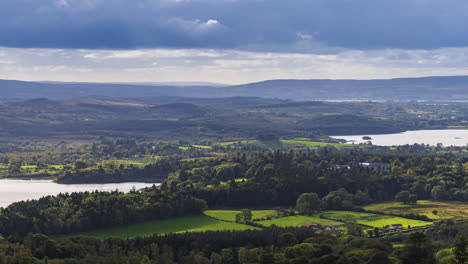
19, 190
448, 137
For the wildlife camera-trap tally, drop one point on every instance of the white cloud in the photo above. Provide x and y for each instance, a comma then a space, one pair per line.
304, 36
225, 66
63, 3
158, 53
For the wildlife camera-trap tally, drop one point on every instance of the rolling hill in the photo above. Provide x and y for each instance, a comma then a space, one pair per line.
449, 88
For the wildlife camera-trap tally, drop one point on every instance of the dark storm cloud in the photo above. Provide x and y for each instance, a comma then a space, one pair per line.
261, 25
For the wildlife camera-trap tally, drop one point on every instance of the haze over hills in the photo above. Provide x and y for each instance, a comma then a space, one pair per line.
402, 89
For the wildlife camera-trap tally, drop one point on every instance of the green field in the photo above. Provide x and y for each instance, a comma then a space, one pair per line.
216, 220
201, 146
313, 144
373, 220
291, 143
173, 225
445, 210
298, 220
31, 170
230, 215
184, 148
245, 142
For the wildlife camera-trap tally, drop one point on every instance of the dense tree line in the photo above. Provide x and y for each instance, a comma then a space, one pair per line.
156, 171
75, 212
279, 177
271, 245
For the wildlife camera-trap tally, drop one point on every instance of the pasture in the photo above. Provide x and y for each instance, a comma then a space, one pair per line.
372, 220
217, 220
299, 220
301, 142
230, 215
173, 225
444, 210
31, 170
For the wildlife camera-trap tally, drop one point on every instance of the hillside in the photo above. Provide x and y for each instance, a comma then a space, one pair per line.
25, 90
404, 89
427, 88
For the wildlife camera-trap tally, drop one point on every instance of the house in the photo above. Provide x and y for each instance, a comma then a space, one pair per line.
342, 167
395, 226
322, 228
377, 166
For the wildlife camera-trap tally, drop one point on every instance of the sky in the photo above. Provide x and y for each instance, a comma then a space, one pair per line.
231, 41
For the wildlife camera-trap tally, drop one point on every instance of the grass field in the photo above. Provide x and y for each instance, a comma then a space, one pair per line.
297, 142
445, 210
245, 142
313, 144
31, 170
298, 220
230, 215
173, 225
373, 220
216, 220
201, 146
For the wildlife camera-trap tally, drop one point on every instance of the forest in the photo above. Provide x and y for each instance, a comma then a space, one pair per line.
233, 132
236, 181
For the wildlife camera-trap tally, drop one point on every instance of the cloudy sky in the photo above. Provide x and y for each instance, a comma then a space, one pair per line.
231, 41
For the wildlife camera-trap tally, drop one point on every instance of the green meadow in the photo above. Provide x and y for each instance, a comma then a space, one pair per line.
172, 225
373, 220
302, 142
433, 210
230, 215
298, 220
216, 220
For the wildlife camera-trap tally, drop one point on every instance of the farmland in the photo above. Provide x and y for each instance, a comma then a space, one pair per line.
230, 215
300, 142
432, 209
298, 220
217, 220
173, 225
372, 220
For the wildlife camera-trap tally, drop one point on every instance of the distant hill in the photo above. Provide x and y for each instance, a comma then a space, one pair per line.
52, 90
426, 88
403, 89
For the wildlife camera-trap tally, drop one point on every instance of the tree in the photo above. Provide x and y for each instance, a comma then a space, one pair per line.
244, 216
338, 199
460, 250
80, 165
287, 239
412, 199
438, 193
216, 258
402, 197
418, 250
247, 214
361, 198
376, 231
308, 203
228, 256
238, 218
249, 256
145, 260
354, 229
445, 256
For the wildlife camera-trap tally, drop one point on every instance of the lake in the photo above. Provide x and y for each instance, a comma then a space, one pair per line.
448, 137
19, 190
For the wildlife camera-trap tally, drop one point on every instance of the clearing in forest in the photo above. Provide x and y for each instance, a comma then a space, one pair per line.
433, 210
173, 225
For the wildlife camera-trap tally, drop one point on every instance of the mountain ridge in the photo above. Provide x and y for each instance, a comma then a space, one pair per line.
396, 89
